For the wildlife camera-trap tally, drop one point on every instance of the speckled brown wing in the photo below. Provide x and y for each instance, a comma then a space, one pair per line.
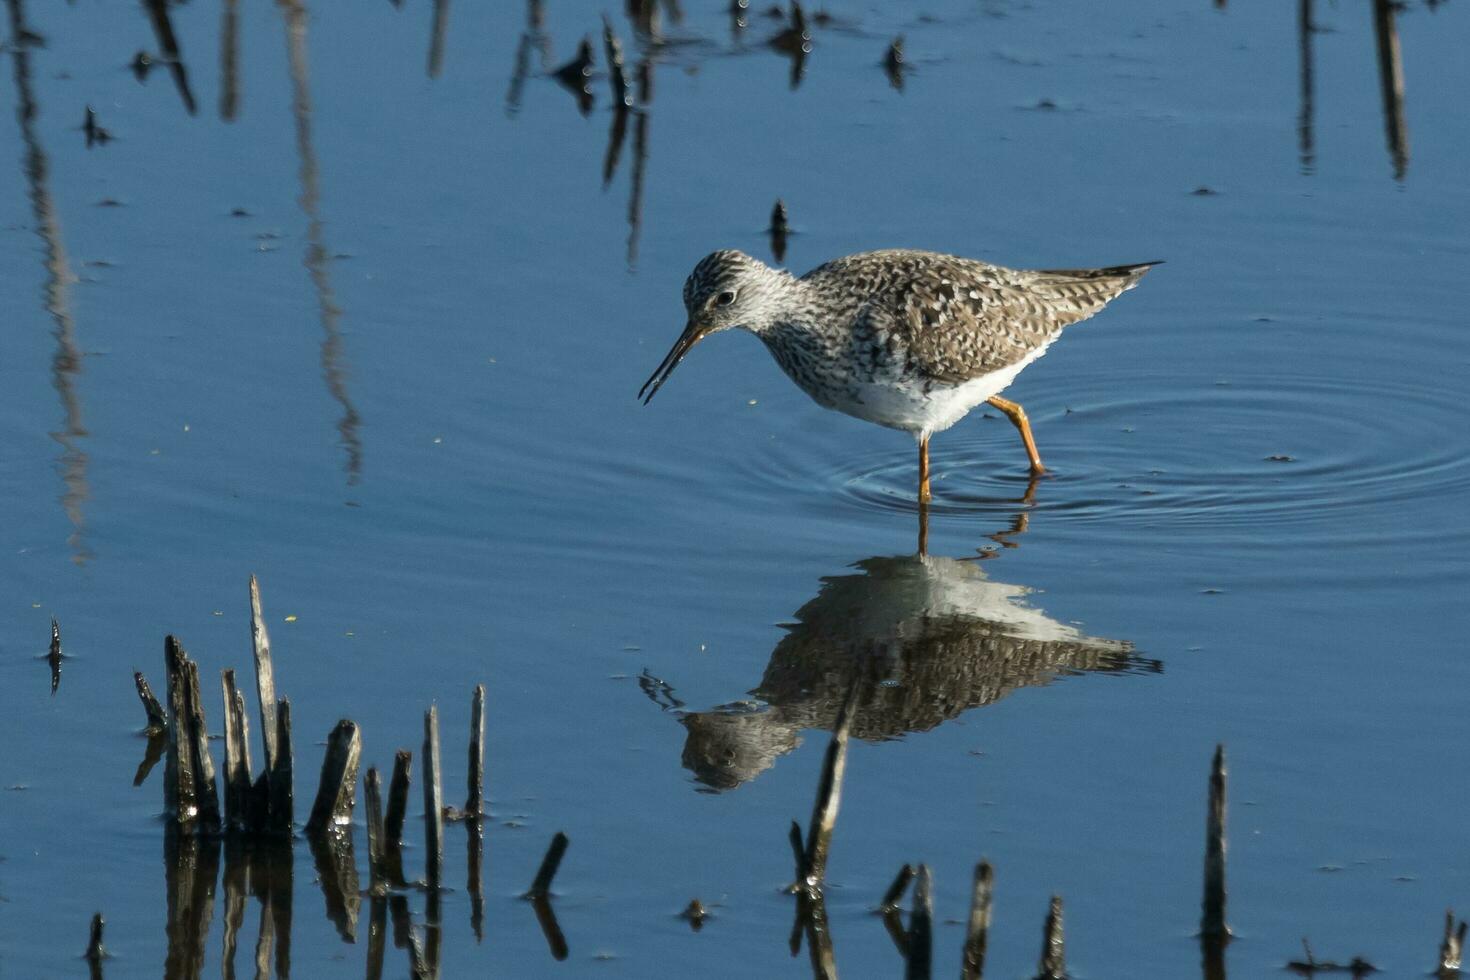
958, 319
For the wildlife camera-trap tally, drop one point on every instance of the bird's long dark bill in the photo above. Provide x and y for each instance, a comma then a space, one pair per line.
691, 336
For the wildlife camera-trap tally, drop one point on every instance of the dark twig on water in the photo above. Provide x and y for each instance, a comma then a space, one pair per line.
576, 76
613, 48
337, 790
1212, 914
541, 887
157, 716
1053, 965
977, 929
53, 656
895, 891
920, 946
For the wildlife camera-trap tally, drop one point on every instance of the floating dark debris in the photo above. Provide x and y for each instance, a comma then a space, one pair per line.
893, 63
141, 65
576, 75
778, 230
1203, 191
695, 913
1311, 966
96, 135
1280, 458
53, 656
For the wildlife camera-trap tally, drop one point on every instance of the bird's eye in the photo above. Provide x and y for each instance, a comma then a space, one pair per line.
725, 298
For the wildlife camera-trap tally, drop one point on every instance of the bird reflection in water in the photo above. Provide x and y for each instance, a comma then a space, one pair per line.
925, 638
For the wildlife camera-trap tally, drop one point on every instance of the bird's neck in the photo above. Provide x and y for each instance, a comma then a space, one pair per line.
788, 307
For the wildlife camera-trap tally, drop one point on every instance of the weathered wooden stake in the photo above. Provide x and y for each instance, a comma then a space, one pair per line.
977, 930
541, 887
920, 945
157, 716
475, 803
265, 680
1212, 908
1451, 950
237, 755
433, 800
337, 790
1053, 964
895, 891
779, 230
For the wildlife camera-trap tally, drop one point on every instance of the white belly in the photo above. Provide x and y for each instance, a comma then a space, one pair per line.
912, 407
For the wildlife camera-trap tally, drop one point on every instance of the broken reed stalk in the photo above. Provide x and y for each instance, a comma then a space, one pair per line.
433, 800
475, 803
190, 793
337, 790
273, 789
96, 952
280, 807
1053, 964
977, 930
920, 945
829, 794
1212, 908
397, 809
372, 798
541, 887
895, 891
53, 655
237, 756
1451, 950
157, 716
798, 851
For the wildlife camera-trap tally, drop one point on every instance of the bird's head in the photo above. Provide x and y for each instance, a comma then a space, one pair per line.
726, 290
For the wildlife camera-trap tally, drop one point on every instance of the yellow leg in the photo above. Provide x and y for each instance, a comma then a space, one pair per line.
1017, 415
924, 470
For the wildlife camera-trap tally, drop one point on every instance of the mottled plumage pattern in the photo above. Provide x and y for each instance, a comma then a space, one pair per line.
954, 320
906, 339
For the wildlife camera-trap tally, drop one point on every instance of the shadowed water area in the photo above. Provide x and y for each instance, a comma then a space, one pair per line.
356, 298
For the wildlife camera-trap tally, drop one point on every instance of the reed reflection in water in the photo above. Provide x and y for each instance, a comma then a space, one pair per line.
66, 362
924, 638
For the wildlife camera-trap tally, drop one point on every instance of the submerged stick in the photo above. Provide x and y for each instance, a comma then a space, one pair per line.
433, 800
1053, 964
895, 891
397, 812
920, 946
475, 803
541, 887
337, 790
977, 929
157, 716
1212, 915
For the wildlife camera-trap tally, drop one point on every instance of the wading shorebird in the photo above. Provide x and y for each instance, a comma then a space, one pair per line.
910, 340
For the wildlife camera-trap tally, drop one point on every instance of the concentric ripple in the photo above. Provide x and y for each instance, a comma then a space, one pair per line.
1313, 456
